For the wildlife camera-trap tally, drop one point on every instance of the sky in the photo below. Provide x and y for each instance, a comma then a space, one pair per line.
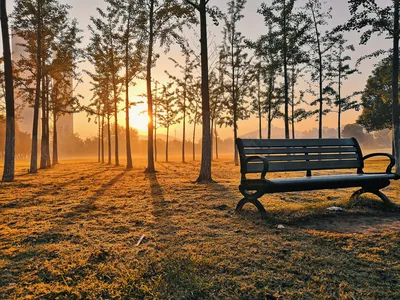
251, 26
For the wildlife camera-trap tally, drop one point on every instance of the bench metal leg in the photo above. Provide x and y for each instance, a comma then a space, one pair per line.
256, 203
356, 195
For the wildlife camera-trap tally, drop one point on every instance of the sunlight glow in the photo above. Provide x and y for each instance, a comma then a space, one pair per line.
139, 118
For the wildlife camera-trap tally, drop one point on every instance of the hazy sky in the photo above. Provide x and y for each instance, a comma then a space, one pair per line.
251, 26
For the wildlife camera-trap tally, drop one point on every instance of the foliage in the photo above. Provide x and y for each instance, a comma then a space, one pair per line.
376, 100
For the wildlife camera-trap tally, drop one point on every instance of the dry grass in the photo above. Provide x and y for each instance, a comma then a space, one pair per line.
71, 232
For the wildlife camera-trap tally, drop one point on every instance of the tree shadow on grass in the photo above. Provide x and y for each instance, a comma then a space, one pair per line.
46, 190
157, 195
88, 205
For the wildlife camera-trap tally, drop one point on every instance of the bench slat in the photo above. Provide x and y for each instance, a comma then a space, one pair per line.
296, 142
299, 150
286, 158
304, 166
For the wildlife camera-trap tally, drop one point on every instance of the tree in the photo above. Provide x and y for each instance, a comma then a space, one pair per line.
377, 99
39, 24
164, 21
321, 47
374, 19
279, 15
9, 158
267, 48
206, 157
131, 40
168, 112
62, 73
339, 72
354, 130
195, 116
237, 68
106, 26
182, 88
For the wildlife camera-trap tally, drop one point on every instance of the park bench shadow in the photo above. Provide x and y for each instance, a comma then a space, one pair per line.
357, 216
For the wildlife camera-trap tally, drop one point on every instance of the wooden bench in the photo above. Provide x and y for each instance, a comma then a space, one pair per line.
279, 155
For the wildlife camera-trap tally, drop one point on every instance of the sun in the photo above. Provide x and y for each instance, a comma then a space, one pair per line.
139, 118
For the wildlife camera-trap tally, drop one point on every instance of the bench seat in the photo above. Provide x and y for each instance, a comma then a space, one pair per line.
319, 182
264, 156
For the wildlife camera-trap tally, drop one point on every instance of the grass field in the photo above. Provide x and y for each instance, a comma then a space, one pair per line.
71, 232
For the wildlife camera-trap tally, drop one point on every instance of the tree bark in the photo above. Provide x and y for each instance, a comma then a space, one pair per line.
234, 99
205, 170
43, 152
166, 145
259, 103
184, 119
9, 158
293, 84
98, 137
216, 141
320, 70
150, 150
116, 121
109, 138
194, 138
102, 138
285, 71
396, 107
55, 140
129, 164
48, 162
340, 100
270, 91
34, 150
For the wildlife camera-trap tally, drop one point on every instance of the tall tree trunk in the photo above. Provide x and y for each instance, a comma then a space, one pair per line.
194, 139
320, 70
150, 150
109, 138
166, 145
212, 137
116, 121
234, 98
129, 164
55, 140
34, 151
205, 170
98, 137
48, 163
184, 122
127, 121
102, 138
340, 100
155, 132
270, 91
396, 107
43, 152
285, 71
293, 83
259, 103
216, 141
9, 158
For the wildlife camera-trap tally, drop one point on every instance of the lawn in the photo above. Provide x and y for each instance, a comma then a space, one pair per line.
71, 232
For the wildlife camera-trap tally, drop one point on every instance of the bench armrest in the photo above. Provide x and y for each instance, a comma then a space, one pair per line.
391, 164
252, 158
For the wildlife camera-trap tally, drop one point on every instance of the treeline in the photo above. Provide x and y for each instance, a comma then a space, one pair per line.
239, 78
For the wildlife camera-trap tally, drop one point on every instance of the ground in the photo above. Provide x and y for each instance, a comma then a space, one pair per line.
72, 232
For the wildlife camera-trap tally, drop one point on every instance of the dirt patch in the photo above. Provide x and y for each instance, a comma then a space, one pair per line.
349, 223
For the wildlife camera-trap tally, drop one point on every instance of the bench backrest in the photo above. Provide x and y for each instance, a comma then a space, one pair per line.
287, 155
